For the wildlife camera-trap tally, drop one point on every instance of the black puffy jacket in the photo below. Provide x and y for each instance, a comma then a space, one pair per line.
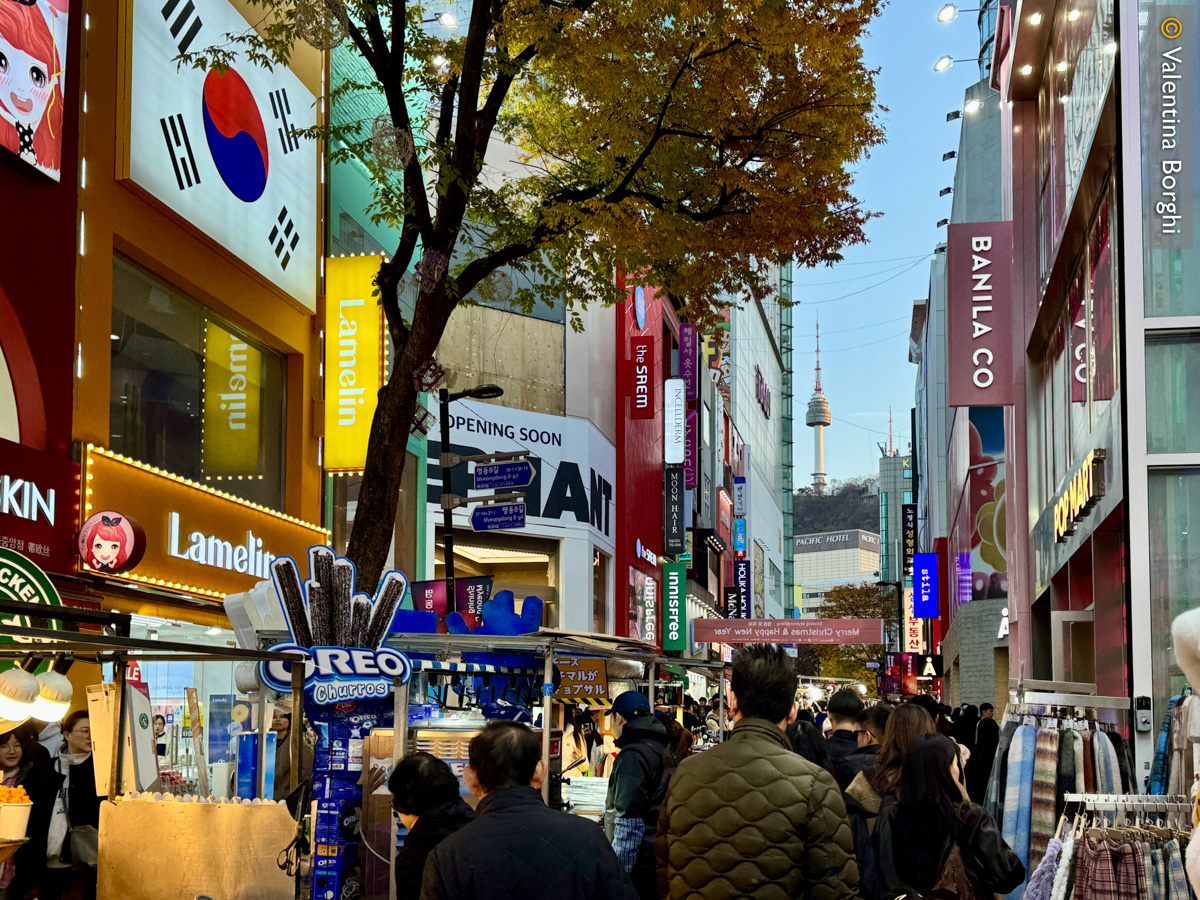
913, 858
429, 831
518, 848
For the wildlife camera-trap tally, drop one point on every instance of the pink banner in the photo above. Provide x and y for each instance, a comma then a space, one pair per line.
979, 314
787, 631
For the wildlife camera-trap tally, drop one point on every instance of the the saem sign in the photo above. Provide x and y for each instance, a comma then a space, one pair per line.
641, 387
979, 314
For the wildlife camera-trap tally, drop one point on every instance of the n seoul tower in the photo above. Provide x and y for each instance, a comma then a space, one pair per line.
818, 418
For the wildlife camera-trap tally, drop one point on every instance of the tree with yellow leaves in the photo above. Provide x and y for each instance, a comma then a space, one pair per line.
692, 142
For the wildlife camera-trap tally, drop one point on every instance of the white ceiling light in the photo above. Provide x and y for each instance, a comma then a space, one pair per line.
19, 690
1027, 69
54, 696
1035, 19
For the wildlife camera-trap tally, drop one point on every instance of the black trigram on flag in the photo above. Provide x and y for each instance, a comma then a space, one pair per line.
285, 236
187, 23
180, 150
282, 109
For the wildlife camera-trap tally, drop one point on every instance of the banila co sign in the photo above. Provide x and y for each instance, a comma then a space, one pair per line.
979, 314
339, 632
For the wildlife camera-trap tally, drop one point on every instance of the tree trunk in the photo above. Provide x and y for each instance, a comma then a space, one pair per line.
375, 517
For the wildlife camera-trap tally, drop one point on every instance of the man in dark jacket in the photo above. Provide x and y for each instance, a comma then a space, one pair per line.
636, 788
426, 798
979, 766
843, 738
749, 818
869, 725
517, 847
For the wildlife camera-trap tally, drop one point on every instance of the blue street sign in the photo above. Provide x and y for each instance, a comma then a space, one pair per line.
495, 518
513, 473
926, 604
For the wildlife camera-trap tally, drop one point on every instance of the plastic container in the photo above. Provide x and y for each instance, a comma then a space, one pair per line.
14, 820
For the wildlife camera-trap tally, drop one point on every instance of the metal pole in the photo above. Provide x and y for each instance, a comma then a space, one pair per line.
400, 713
899, 616
650, 688
447, 512
262, 745
296, 735
118, 759
547, 698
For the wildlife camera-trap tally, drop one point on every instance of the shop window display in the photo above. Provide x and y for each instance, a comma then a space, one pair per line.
193, 394
1174, 505
1172, 402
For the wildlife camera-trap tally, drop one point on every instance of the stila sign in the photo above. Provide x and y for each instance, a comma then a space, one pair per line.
979, 314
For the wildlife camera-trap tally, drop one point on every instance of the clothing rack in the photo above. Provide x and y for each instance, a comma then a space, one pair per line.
1161, 803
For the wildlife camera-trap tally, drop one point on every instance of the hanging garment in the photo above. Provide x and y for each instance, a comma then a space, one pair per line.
1124, 762
1179, 748
1041, 882
1019, 794
1043, 795
1126, 860
1066, 769
1062, 872
1159, 773
1158, 875
1089, 765
1137, 855
1080, 763
997, 782
1177, 886
1108, 773
1095, 877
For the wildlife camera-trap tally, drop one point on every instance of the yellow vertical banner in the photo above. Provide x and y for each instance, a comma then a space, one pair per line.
232, 407
353, 360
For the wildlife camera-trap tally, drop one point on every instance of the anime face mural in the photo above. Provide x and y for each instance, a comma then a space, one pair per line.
32, 41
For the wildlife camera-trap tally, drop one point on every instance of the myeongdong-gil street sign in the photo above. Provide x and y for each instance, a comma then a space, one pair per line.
515, 473
788, 631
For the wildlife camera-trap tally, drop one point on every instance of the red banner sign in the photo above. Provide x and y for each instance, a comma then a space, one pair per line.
787, 631
979, 314
641, 378
39, 506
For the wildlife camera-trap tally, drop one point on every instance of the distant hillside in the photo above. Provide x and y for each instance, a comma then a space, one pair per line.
846, 504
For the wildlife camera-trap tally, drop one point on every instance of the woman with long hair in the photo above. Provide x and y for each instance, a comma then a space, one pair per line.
866, 793
31, 103
14, 767
929, 838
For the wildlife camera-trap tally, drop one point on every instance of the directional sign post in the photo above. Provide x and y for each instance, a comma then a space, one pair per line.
515, 473
498, 517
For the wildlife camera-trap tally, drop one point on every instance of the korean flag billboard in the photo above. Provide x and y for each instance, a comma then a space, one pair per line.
220, 150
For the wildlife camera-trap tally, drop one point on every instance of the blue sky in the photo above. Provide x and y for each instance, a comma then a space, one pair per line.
864, 369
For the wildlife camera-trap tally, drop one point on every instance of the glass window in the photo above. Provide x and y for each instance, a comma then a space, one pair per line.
908, 496
193, 394
1172, 410
600, 564
884, 539
1174, 566
908, 473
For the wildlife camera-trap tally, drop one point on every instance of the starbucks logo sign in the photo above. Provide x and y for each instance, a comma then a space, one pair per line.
144, 720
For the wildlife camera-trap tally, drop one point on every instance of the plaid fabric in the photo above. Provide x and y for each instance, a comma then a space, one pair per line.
1159, 773
1042, 797
1177, 886
1158, 875
627, 838
1095, 874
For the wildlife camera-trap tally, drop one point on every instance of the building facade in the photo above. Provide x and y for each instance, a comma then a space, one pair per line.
826, 560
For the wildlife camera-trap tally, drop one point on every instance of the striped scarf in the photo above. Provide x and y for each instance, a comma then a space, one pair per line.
1108, 771
994, 801
1044, 793
1019, 795
1080, 779
1162, 755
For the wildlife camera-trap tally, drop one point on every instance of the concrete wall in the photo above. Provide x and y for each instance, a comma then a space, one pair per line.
592, 371
969, 655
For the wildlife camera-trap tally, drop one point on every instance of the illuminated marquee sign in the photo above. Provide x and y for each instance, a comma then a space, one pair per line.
353, 360
231, 410
641, 385
198, 540
1084, 488
339, 674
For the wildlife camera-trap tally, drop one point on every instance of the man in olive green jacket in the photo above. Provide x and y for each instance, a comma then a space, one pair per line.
750, 818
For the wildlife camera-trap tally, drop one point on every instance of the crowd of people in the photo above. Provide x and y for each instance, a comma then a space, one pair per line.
882, 807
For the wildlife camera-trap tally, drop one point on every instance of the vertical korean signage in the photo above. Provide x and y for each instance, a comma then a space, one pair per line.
353, 360
740, 494
741, 580
231, 411
689, 360
691, 453
674, 529
674, 607
926, 602
914, 630
674, 422
908, 535
979, 314
641, 377
739, 537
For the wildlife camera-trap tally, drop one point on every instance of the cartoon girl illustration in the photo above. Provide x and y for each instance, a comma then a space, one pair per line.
107, 544
31, 98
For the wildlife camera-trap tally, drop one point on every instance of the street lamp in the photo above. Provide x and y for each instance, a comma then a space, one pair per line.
448, 20
945, 62
948, 13
445, 398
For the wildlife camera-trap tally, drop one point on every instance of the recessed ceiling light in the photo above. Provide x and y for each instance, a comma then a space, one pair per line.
1073, 15
1035, 19
1061, 66
1026, 69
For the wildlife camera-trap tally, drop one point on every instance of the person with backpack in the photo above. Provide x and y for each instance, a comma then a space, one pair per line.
929, 839
636, 787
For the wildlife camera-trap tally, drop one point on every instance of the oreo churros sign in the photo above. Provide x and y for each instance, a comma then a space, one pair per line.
340, 632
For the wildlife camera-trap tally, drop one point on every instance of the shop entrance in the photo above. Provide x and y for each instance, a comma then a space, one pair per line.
527, 566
